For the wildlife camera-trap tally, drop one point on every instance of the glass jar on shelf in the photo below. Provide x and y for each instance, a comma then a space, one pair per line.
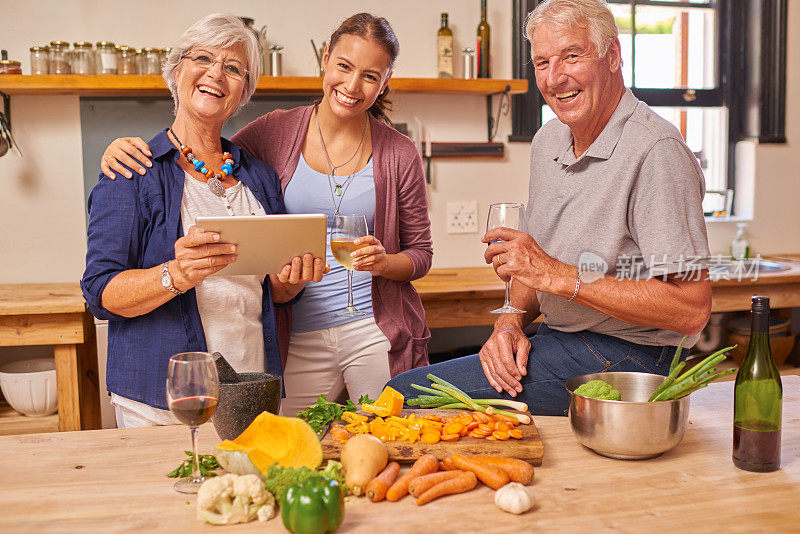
82, 58
106, 60
40, 60
9, 66
126, 60
152, 61
59, 57
139, 61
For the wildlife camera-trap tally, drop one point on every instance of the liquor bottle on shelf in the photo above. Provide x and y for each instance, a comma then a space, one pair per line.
758, 398
484, 38
444, 49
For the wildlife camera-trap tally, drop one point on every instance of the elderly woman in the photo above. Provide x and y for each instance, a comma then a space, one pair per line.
148, 265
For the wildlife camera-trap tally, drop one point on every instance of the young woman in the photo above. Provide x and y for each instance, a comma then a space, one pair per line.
340, 155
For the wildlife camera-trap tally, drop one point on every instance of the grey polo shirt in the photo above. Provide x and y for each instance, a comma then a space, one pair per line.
630, 206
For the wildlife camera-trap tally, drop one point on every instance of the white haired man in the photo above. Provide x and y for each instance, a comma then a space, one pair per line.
614, 229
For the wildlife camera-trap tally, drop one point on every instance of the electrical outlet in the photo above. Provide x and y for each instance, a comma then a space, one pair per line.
462, 217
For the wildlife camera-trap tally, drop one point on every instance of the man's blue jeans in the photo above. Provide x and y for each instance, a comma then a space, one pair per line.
555, 357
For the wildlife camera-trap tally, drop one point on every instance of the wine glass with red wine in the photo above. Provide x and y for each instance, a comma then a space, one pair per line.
192, 391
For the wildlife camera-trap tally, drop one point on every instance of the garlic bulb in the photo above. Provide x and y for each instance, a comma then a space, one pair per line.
514, 498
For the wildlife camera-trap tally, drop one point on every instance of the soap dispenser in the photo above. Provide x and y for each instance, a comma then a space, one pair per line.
740, 247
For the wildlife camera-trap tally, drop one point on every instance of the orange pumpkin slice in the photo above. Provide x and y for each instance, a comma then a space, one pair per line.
270, 438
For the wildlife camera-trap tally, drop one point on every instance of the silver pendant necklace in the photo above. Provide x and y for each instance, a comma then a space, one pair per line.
338, 189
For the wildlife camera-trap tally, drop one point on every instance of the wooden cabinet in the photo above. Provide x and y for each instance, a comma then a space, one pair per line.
53, 314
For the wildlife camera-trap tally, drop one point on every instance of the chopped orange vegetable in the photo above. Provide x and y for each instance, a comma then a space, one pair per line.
390, 402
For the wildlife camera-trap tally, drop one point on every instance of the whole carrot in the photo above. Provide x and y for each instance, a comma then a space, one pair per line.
447, 461
425, 464
517, 470
423, 483
490, 475
464, 482
378, 486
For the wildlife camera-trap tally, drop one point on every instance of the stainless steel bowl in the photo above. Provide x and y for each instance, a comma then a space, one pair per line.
630, 429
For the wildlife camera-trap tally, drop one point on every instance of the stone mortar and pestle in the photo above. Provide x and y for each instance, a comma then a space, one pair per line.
242, 396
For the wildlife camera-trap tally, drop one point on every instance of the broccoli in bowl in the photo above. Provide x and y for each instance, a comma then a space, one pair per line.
597, 389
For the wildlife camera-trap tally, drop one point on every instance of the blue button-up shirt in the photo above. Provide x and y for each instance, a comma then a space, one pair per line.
133, 224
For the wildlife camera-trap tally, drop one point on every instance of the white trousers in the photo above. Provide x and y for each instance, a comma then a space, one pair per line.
131, 414
354, 355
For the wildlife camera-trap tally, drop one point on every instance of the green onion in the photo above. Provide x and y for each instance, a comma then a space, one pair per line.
698, 376
445, 395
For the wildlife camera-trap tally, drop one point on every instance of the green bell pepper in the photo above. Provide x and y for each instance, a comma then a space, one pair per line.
315, 506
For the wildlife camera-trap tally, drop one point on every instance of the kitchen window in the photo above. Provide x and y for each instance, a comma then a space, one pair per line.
714, 69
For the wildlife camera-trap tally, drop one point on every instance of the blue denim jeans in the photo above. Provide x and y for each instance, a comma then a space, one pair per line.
555, 357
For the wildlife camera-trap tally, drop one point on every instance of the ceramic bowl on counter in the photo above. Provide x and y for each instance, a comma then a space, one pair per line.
630, 429
29, 386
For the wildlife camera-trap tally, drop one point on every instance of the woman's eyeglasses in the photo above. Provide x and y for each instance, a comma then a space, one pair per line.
231, 68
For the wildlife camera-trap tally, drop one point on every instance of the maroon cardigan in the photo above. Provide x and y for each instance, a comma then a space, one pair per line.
401, 222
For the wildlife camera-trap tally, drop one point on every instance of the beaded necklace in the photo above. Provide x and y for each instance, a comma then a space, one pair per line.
213, 179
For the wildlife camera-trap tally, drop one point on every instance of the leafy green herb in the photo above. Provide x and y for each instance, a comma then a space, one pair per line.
319, 414
207, 463
279, 478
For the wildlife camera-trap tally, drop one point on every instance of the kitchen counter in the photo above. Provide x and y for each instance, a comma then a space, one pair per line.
463, 296
113, 481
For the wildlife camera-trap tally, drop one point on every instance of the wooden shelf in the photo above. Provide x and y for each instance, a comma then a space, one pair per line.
136, 85
13, 422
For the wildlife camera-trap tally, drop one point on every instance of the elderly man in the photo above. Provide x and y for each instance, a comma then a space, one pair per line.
614, 239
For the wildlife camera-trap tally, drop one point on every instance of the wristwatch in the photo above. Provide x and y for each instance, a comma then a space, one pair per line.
166, 279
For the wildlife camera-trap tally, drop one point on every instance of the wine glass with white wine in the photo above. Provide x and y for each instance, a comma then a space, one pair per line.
344, 231
505, 215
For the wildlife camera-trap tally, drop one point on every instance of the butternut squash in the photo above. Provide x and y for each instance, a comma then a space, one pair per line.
363, 457
289, 441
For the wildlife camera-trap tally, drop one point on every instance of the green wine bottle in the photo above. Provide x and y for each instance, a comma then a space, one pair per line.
758, 399
484, 38
444, 47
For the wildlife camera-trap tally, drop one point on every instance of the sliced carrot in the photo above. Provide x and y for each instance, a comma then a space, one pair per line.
378, 486
425, 464
465, 482
499, 434
515, 433
452, 428
450, 437
431, 438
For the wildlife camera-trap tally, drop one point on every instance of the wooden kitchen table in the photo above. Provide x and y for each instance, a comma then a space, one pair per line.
113, 481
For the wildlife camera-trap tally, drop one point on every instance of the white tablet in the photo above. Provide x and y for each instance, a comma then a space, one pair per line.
266, 243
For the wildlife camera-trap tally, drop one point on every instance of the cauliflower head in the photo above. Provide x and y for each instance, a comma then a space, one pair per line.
597, 389
230, 499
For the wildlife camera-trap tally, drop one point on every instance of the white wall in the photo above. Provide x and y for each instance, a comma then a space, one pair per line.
42, 208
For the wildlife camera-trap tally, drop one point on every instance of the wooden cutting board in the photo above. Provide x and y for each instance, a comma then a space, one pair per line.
529, 448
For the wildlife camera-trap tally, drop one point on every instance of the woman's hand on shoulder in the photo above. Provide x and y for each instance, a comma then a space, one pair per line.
125, 151
370, 258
